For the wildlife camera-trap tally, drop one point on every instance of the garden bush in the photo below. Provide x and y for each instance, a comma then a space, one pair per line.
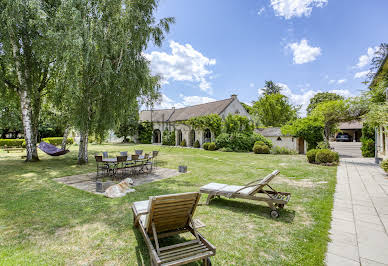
240, 141
326, 156
211, 146
260, 142
226, 149
323, 145
168, 138
12, 142
261, 149
367, 147
311, 155
206, 145
384, 165
58, 140
196, 144
145, 130
283, 150
183, 143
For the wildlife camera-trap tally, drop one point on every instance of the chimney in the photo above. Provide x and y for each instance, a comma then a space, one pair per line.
233, 96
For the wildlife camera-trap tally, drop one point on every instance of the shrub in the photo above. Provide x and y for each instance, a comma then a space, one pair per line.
367, 147
260, 142
12, 142
58, 140
226, 149
212, 146
206, 145
261, 149
183, 143
384, 165
283, 150
145, 131
240, 141
168, 138
196, 144
326, 156
311, 155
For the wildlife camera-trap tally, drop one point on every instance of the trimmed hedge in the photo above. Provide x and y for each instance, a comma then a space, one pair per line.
384, 165
58, 141
12, 143
212, 146
311, 155
283, 150
196, 144
240, 141
367, 147
206, 145
261, 149
326, 156
183, 143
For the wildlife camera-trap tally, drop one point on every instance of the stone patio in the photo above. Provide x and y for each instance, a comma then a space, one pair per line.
359, 227
87, 182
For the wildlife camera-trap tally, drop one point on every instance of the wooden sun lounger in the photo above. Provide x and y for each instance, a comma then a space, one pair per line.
273, 198
168, 215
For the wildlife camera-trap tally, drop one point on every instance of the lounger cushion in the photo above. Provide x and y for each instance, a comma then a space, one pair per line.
142, 206
224, 188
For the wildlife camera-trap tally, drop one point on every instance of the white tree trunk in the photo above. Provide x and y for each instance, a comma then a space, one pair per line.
83, 147
65, 135
29, 132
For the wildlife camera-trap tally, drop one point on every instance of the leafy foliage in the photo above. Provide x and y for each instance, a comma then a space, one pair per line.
128, 123
322, 97
384, 165
10, 114
247, 108
283, 150
206, 145
326, 156
211, 146
237, 123
168, 138
368, 141
309, 128
11, 142
57, 140
311, 155
196, 144
183, 143
239, 141
212, 122
274, 110
145, 130
261, 149
378, 115
271, 88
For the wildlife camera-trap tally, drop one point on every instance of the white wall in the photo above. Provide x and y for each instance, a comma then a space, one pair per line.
233, 108
291, 143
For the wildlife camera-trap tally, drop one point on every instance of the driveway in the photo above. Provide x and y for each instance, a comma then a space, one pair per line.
347, 149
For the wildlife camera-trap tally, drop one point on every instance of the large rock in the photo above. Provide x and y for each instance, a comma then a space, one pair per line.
120, 189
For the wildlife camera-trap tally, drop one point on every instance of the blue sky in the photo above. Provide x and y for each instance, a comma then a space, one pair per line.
217, 48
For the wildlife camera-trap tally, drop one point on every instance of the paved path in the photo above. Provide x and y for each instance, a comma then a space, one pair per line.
347, 149
359, 229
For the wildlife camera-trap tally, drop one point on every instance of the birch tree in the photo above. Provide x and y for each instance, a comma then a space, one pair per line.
26, 58
102, 63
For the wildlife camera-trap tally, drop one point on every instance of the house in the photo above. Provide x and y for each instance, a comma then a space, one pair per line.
173, 120
279, 140
352, 128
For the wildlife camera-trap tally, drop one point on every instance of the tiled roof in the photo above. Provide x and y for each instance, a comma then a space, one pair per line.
181, 114
269, 131
351, 125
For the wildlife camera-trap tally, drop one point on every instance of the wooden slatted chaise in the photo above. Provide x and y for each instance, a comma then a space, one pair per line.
168, 215
273, 198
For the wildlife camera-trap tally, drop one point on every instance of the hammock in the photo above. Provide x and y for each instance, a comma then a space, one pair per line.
51, 150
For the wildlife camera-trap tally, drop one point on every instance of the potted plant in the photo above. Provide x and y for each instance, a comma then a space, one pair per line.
182, 168
384, 165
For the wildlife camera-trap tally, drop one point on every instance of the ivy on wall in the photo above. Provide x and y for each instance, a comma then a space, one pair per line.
212, 122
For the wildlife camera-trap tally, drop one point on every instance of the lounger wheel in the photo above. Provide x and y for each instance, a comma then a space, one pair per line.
281, 206
274, 214
207, 262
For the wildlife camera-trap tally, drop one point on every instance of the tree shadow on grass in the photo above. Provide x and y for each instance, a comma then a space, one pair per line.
285, 215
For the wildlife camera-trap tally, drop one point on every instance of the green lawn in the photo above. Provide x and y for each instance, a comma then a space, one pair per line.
43, 222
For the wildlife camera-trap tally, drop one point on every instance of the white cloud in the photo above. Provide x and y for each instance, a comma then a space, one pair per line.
366, 58
261, 10
183, 64
295, 8
251, 84
304, 53
193, 100
168, 103
331, 81
303, 98
340, 81
361, 74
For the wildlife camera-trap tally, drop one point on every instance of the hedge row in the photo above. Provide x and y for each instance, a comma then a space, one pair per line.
12, 143
57, 140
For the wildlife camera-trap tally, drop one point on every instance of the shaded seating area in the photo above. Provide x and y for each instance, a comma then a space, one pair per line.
172, 215
254, 190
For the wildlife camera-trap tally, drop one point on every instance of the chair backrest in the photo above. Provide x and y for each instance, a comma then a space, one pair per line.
146, 155
121, 159
139, 152
155, 153
124, 153
169, 212
134, 157
105, 154
263, 182
98, 158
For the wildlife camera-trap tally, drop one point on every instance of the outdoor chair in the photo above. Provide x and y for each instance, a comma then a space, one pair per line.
124, 153
139, 152
120, 165
105, 154
169, 215
133, 164
154, 159
273, 198
102, 168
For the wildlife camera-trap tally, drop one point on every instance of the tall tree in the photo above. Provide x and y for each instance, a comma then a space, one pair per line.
26, 58
271, 88
322, 97
102, 60
275, 110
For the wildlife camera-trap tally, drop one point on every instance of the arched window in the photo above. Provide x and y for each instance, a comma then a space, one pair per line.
207, 135
180, 137
157, 136
279, 139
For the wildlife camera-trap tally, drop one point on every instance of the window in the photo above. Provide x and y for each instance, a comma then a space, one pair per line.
279, 139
